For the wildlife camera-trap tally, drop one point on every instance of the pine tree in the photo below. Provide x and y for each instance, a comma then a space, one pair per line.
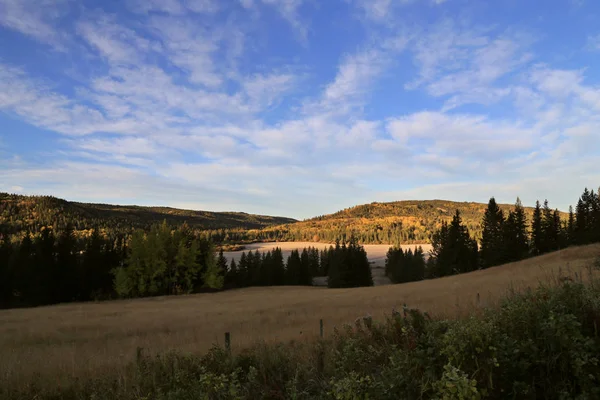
492, 241
242, 275
293, 269
594, 224
43, 278
66, 261
278, 267
22, 269
455, 251
550, 230
571, 228
6, 281
537, 240
516, 242
231, 277
222, 263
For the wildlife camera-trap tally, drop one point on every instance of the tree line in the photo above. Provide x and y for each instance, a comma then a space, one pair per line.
345, 265
52, 268
505, 238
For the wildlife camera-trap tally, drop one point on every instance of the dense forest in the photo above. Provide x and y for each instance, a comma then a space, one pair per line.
393, 223
20, 214
505, 237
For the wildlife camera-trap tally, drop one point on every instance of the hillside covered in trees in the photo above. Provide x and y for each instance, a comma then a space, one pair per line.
30, 213
411, 221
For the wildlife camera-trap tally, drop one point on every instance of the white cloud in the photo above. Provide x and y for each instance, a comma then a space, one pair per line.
266, 89
466, 64
35, 18
114, 42
593, 42
174, 7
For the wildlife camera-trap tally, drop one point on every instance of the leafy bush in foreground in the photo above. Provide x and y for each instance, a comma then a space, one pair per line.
539, 344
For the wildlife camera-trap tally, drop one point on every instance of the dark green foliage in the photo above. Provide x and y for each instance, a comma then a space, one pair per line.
587, 226
541, 344
405, 266
537, 239
454, 250
293, 269
165, 262
348, 266
514, 234
493, 250
268, 269
571, 237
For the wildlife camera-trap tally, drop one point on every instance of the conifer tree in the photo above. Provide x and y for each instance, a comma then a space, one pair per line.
492, 240
66, 261
222, 263
293, 268
44, 268
453, 248
516, 241
537, 239
278, 267
571, 228
6, 280
231, 277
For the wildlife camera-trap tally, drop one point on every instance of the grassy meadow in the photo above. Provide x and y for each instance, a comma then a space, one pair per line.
50, 347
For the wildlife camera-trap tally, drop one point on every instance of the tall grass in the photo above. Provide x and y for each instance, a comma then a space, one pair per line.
541, 343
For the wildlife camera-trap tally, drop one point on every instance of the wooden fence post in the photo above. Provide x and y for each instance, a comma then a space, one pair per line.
321, 328
227, 341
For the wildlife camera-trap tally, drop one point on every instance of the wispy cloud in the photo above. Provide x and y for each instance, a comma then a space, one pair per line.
179, 100
34, 18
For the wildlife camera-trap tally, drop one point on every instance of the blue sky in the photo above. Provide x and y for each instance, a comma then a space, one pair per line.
299, 107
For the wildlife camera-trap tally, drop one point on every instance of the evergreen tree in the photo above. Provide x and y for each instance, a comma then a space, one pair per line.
22, 270
453, 248
537, 239
222, 263
550, 230
242, 275
231, 277
6, 280
492, 240
584, 218
278, 267
44, 268
571, 228
516, 241
67, 267
594, 224
293, 269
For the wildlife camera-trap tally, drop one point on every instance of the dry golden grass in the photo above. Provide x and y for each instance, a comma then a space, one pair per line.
58, 343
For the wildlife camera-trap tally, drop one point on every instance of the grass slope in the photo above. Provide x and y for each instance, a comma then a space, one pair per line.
54, 345
18, 213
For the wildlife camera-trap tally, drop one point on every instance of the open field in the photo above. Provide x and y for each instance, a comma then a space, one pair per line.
59, 343
375, 252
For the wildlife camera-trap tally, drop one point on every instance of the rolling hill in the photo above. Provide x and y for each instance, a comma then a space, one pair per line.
18, 213
411, 221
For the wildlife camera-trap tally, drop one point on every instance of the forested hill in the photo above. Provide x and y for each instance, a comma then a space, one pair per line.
411, 221
19, 213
